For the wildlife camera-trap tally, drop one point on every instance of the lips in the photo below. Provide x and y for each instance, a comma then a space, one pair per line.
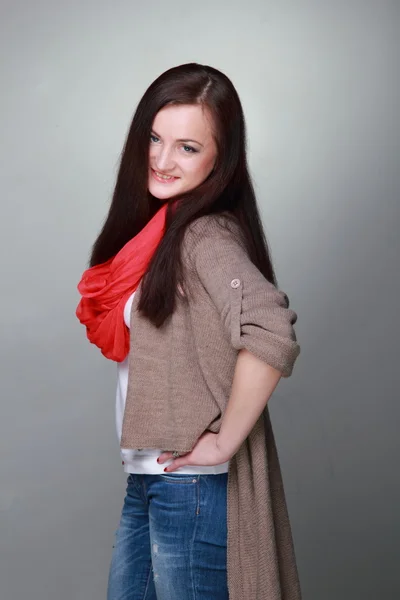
161, 179
160, 173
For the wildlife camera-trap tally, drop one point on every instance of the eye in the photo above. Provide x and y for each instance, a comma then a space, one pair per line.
190, 149
153, 138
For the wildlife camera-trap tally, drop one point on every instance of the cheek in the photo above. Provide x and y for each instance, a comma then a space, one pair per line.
200, 168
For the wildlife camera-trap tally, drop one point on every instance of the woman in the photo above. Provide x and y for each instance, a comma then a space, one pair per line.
182, 294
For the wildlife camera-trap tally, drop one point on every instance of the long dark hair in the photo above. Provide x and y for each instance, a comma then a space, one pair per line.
228, 189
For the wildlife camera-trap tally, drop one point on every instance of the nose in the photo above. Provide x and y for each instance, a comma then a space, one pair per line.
164, 159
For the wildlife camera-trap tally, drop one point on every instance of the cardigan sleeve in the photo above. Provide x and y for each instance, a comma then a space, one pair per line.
255, 314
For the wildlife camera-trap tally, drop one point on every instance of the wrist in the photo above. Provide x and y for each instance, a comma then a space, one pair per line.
226, 450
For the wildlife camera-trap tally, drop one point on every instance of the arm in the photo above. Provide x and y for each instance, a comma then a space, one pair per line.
253, 384
258, 320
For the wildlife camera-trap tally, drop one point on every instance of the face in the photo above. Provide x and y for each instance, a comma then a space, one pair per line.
182, 150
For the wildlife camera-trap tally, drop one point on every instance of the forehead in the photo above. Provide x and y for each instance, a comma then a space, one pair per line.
184, 122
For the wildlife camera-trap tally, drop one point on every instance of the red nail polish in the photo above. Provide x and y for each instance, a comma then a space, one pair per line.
158, 460
165, 469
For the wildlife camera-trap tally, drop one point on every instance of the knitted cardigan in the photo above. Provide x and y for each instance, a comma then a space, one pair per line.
180, 378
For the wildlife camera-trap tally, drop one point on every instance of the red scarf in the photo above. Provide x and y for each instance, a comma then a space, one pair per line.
105, 288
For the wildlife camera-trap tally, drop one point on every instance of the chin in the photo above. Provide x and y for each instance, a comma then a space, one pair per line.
161, 196
162, 192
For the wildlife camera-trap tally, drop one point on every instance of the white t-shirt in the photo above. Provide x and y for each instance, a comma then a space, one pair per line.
145, 461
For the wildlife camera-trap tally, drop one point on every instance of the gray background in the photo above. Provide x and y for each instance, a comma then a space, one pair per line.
319, 85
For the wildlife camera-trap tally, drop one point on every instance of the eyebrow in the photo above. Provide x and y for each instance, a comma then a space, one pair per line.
180, 139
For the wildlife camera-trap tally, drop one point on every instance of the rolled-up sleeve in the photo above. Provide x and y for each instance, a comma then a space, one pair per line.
255, 314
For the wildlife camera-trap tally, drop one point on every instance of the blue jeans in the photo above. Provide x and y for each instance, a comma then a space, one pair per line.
172, 539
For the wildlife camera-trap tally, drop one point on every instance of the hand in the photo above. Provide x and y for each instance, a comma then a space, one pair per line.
206, 452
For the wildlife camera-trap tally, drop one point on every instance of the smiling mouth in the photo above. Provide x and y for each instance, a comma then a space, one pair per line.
162, 176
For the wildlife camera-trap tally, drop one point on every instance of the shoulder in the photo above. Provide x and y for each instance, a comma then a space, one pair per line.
210, 234
214, 222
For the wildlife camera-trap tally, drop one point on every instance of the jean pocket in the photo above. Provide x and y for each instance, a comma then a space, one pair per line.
179, 478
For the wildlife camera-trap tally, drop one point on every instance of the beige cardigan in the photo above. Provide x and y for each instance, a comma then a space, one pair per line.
179, 384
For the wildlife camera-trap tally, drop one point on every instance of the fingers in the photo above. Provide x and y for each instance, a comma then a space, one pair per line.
181, 461
164, 457
178, 462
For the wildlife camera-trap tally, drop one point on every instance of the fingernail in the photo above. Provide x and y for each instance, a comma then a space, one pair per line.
158, 460
165, 469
